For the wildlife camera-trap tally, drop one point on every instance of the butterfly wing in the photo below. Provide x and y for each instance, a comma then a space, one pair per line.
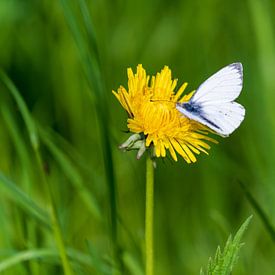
223, 86
212, 104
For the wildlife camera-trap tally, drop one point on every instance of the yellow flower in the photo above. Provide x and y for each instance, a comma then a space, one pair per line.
153, 117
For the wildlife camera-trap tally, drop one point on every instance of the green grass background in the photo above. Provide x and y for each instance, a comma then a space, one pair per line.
65, 57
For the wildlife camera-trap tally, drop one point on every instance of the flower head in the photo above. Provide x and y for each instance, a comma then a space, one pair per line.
153, 117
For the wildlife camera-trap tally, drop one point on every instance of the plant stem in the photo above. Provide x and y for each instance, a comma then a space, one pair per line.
149, 217
54, 220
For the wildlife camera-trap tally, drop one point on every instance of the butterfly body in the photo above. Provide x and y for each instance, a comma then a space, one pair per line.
191, 107
213, 103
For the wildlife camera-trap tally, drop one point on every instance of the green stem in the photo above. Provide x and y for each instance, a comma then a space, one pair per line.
54, 220
149, 217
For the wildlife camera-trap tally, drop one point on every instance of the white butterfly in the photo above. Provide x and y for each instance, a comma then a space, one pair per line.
213, 103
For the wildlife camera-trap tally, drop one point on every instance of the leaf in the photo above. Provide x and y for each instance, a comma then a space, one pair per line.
223, 262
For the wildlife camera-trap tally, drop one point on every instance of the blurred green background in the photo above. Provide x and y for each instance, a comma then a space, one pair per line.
65, 68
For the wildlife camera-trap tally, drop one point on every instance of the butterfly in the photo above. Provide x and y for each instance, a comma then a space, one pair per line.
213, 103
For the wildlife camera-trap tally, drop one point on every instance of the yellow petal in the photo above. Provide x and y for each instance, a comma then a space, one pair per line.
180, 91
172, 152
178, 148
188, 152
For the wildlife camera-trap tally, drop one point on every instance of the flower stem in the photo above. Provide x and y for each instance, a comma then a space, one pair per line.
149, 217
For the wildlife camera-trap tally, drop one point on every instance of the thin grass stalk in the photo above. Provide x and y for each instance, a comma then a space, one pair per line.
32, 131
54, 219
90, 61
259, 210
45, 254
149, 217
72, 173
24, 161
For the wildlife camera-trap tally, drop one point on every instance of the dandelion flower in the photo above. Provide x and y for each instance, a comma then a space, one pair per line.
153, 118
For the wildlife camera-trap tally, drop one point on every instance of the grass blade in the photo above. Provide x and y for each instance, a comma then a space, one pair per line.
26, 256
258, 209
94, 78
22, 107
44, 253
19, 197
35, 145
72, 174
100, 267
132, 264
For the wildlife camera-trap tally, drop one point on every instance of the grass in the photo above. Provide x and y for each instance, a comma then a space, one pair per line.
60, 128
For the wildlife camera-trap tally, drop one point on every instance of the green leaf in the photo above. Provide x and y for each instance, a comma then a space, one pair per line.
223, 262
